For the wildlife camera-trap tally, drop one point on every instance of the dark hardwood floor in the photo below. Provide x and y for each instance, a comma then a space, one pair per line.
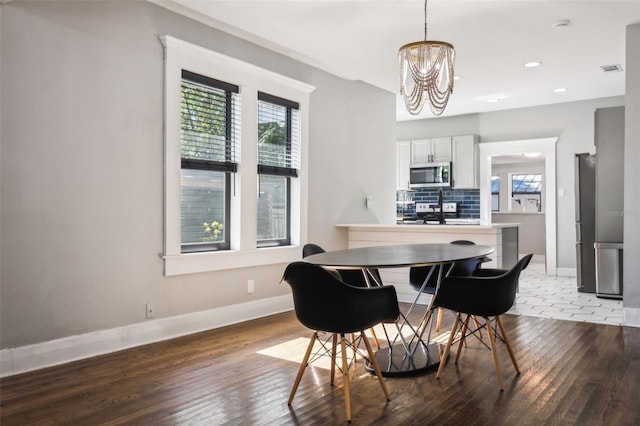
572, 373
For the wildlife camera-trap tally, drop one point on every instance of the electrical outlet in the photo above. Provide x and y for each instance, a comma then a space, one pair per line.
250, 288
150, 311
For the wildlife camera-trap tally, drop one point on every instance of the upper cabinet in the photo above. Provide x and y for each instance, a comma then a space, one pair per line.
466, 170
432, 150
403, 158
462, 151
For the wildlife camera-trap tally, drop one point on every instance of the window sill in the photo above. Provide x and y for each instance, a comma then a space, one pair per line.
191, 263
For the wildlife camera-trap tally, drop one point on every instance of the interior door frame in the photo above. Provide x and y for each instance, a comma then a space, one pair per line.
546, 146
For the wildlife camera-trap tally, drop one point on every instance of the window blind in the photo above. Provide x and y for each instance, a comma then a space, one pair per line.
210, 117
278, 136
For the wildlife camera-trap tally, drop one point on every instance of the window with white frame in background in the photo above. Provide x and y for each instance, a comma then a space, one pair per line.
527, 189
278, 163
495, 193
234, 189
209, 116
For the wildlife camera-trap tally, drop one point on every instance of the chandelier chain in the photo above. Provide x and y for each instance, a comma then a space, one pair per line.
425, 20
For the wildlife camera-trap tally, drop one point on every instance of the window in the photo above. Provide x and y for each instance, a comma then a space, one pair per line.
495, 193
278, 163
527, 189
214, 170
208, 140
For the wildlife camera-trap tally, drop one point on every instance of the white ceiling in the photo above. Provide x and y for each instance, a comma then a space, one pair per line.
359, 40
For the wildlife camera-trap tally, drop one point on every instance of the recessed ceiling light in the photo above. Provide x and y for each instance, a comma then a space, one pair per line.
560, 89
492, 100
456, 77
532, 64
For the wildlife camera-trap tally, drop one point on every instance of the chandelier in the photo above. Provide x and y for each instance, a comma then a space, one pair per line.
426, 72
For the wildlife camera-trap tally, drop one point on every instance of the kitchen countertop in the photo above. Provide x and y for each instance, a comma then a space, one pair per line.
416, 226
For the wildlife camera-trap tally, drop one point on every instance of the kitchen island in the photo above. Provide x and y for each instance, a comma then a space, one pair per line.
502, 237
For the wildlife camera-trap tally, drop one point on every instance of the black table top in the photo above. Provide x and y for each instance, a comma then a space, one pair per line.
396, 256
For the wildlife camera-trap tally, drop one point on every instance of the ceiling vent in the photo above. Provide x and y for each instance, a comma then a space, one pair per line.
611, 68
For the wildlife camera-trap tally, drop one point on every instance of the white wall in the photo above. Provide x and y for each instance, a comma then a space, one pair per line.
572, 123
82, 167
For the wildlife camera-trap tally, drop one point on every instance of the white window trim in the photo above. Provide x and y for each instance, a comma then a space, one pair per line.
181, 55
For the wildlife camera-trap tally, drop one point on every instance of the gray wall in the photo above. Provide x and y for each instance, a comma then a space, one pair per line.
609, 174
632, 178
82, 167
572, 123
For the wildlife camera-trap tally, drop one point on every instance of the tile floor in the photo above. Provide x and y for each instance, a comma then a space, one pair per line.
558, 298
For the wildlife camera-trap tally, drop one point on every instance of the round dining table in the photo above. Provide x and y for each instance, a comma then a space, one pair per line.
414, 355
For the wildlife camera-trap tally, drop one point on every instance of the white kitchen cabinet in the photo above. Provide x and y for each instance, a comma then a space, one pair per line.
466, 170
403, 158
431, 150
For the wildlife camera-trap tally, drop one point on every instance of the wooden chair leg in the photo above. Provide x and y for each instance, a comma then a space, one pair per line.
375, 338
354, 346
507, 344
376, 367
475, 322
439, 320
345, 377
494, 352
443, 360
463, 331
303, 365
334, 347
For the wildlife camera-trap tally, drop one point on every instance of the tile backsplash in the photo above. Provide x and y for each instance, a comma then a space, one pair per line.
468, 201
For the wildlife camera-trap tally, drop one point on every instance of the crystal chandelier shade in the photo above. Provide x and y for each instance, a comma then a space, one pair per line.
426, 73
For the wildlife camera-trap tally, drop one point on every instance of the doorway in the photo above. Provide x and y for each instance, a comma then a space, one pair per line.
547, 148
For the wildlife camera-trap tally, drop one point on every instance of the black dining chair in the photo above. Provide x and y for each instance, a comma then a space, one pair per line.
487, 297
424, 279
355, 277
325, 304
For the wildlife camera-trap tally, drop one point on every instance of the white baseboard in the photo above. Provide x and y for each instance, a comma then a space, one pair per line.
631, 317
72, 348
566, 272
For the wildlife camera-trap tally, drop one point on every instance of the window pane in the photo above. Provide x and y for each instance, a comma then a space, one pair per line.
202, 200
495, 184
526, 183
204, 122
273, 147
527, 190
272, 207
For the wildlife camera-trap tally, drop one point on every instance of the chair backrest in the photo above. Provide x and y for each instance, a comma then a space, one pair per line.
325, 303
310, 248
349, 276
463, 242
418, 274
463, 268
483, 296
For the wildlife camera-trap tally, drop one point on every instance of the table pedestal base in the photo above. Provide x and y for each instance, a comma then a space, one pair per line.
395, 361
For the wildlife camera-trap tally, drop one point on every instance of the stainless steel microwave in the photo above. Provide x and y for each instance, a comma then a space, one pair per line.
429, 175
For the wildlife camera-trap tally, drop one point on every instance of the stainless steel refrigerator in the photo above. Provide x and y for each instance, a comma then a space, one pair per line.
585, 191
